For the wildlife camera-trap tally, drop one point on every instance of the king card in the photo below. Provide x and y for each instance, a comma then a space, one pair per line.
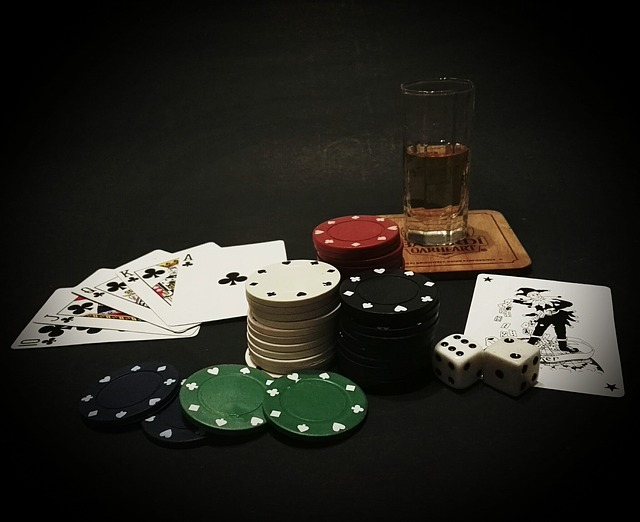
572, 323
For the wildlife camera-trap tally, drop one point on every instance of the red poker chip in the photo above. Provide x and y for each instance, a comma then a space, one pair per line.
393, 258
355, 236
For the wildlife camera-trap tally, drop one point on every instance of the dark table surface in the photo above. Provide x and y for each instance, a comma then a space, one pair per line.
130, 129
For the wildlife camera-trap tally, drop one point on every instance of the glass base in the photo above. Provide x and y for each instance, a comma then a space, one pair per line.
435, 237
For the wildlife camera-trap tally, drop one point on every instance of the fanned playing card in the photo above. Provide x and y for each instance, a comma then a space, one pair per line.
104, 286
154, 281
75, 310
572, 323
59, 332
211, 285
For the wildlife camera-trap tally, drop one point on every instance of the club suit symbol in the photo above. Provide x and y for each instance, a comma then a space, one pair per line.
232, 279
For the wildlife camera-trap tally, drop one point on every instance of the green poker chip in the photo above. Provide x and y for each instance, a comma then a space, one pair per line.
314, 404
225, 398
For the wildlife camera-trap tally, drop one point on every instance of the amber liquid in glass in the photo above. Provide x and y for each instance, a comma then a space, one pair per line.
436, 193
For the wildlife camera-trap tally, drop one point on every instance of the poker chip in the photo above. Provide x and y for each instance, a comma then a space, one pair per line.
386, 327
274, 358
304, 337
280, 365
313, 345
276, 361
388, 297
327, 320
364, 263
289, 331
282, 356
389, 348
356, 243
251, 363
225, 399
316, 352
293, 283
315, 405
349, 270
356, 236
170, 427
129, 394
382, 379
373, 333
292, 314
388, 352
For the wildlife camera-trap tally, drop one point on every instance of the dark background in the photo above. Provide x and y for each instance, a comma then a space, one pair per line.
132, 128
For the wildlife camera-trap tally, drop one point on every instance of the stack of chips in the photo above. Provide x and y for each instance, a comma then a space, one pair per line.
386, 327
356, 243
292, 316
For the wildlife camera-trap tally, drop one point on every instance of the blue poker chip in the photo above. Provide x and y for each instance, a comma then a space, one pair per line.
171, 428
129, 394
388, 297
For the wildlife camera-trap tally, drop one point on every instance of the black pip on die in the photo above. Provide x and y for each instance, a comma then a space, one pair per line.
511, 365
457, 361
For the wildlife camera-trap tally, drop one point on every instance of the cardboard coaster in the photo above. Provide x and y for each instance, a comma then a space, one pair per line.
490, 246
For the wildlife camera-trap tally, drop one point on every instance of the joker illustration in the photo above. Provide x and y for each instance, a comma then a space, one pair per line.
547, 311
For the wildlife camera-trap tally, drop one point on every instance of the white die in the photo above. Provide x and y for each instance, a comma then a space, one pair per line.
511, 365
457, 361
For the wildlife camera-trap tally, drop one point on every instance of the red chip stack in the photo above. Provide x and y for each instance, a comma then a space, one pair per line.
356, 243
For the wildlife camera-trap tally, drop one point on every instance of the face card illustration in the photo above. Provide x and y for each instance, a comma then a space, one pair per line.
572, 323
39, 335
105, 287
155, 282
70, 309
212, 287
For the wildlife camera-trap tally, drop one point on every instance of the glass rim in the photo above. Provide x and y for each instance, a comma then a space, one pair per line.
438, 86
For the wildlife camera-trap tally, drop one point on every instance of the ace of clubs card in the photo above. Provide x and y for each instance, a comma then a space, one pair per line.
210, 284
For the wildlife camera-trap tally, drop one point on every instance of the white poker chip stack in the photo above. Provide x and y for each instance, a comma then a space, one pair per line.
293, 316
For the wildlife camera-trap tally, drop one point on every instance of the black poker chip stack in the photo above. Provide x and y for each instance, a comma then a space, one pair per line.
386, 328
